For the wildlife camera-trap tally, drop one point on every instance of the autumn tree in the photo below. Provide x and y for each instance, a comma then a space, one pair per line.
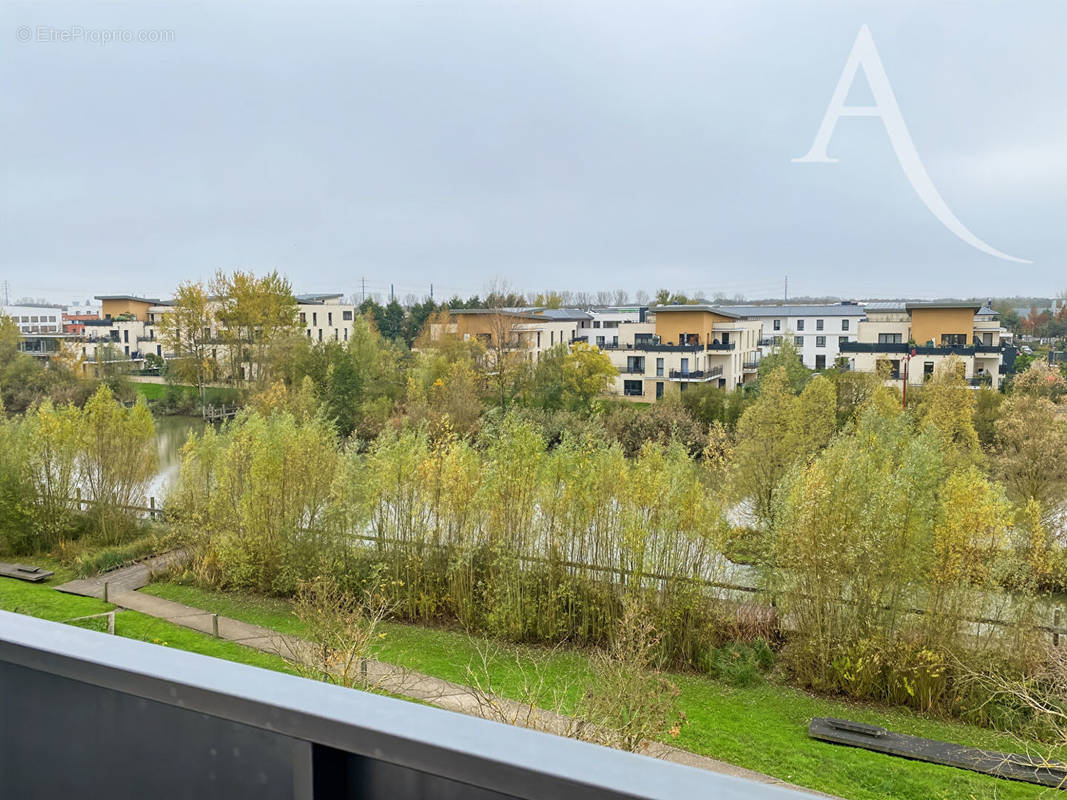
1030, 451
947, 408
186, 335
768, 443
587, 372
785, 356
1040, 380
253, 314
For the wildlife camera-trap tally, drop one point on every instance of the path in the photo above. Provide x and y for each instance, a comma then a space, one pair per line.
123, 583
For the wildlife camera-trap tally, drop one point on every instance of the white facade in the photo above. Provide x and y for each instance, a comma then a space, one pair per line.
35, 319
817, 331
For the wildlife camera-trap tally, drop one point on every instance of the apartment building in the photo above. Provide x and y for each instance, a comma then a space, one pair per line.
530, 330
678, 346
602, 329
35, 319
909, 341
325, 317
817, 331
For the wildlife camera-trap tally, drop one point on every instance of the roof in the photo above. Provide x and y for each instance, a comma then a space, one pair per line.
317, 299
501, 311
932, 304
827, 310
720, 310
152, 301
559, 314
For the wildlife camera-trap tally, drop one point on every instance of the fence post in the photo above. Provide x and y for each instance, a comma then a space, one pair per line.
215, 625
111, 622
105, 591
1056, 625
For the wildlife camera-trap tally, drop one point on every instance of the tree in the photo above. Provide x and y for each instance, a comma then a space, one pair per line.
817, 411
587, 372
253, 314
546, 387
768, 443
391, 324
118, 459
1040, 380
947, 406
785, 356
185, 332
1030, 452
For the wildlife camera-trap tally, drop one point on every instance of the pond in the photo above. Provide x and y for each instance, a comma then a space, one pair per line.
171, 433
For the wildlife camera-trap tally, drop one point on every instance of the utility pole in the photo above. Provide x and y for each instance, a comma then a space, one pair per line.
7, 289
431, 292
786, 288
392, 296
363, 281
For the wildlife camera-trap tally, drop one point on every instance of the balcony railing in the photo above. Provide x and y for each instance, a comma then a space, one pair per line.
194, 726
722, 346
632, 370
750, 365
695, 375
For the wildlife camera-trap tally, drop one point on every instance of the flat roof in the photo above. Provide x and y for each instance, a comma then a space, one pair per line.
154, 301
934, 304
828, 310
721, 311
314, 299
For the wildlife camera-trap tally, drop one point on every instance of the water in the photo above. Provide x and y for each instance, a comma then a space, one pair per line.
171, 433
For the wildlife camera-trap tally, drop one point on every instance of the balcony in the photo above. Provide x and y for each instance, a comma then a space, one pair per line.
873, 347
722, 346
695, 375
649, 347
631, 370
192, 726
750, 366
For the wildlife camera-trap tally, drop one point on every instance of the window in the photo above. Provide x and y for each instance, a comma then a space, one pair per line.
611, 323
777, 340
539, 340
346, 334
798, 341
820, 362
726, 337
635, 364
314, 318
551, 338
329, 318
345, 315
320, 334
800, 324
928, 370
685, 366
600, 341
659, 367
953, 339
126, 335
841, 340
303, 318
777, 324
890, 338
596, 323
818, 324
820, 341
844, 324
614, 341
633, 388
659, 388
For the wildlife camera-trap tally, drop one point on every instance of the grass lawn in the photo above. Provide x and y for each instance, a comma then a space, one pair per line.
214, 395
763, 728
42, 600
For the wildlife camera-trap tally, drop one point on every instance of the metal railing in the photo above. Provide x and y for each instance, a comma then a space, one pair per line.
141, 720
695, 375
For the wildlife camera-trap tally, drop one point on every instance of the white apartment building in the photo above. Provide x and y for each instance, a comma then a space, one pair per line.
817, 331
35, 319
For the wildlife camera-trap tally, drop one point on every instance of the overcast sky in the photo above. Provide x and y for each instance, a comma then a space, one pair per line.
572, 144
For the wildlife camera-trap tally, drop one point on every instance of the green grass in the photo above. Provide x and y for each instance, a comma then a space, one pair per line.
763, 728
214, 395
43, 601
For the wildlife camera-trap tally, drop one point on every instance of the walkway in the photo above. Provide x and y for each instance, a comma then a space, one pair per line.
123, 583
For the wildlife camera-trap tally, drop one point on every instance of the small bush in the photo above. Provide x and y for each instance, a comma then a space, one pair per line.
739, 663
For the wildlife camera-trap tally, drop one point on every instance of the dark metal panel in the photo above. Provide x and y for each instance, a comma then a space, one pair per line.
453, 748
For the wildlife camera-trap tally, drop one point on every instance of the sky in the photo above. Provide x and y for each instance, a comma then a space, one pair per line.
552, 145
